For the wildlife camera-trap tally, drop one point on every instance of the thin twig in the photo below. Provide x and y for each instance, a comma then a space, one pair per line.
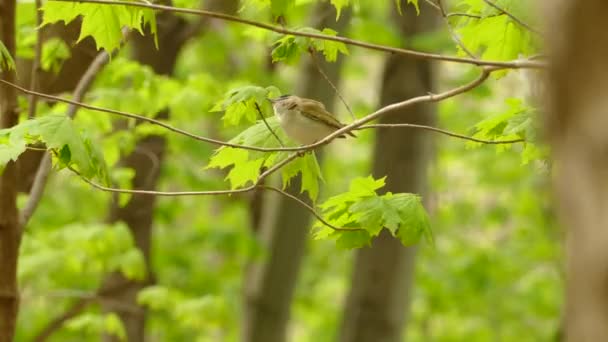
318, 66
74, 310
308, 207
44, 168
460, 14
434, 5
452, 32
514, 18
32, 101
257, 107
442, 131
515, 64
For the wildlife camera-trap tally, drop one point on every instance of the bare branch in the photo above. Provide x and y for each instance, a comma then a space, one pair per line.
514, 18
352, 126
42, 174
486, 71
442, 131
320, 70
516, 64
308, 207
74, 310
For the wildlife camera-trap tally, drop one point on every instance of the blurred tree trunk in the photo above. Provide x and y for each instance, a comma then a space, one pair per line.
578, 127
377, 305
146, 160
283, 225
10, 234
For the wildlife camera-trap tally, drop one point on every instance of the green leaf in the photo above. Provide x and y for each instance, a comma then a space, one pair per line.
246, 164
10, 149
157, 297
6, 60
289, 48
515, 122
361, 207
354, 239
309, 168
132, 265
58, 133
243, 170
279, 7
414, 222
240, 104
54, 52
413, 2
339, 4
101, 21
97, 324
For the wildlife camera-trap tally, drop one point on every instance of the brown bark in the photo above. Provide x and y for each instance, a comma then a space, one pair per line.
10, 234
577, 124
284, 225
146, 161
377, 304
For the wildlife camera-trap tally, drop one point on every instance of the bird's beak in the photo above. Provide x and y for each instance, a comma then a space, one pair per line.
272, 100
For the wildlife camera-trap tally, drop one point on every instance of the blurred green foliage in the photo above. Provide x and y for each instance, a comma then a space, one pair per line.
493, 272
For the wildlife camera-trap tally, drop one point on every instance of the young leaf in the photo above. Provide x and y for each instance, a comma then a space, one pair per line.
58, 133
97, 324
339, 4
289, 48
309, 168
402, 214
240, 104
413, 2
102, 22
246, 164
54, 52
6, 60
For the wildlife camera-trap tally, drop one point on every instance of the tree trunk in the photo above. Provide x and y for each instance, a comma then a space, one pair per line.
377, 305
10, 234
578, 126
284, 225
146, 161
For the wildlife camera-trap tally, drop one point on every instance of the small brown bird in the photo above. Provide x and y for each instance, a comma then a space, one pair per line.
304, 120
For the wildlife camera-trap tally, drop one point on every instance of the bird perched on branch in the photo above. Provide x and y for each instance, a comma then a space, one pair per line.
304, 120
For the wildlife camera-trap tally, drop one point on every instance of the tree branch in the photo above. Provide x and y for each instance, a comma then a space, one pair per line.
74, 310
42, 174
442, 131
516, 64
354, 125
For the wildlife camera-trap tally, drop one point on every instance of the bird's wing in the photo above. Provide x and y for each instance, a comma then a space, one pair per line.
316, 110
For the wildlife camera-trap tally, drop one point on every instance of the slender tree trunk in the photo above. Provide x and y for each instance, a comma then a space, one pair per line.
146, 161
377, 305
10, 234
578, 128
284, 225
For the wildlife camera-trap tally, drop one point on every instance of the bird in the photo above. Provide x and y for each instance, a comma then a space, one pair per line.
305, 121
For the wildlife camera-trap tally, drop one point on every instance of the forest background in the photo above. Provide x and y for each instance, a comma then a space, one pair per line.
148, 192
